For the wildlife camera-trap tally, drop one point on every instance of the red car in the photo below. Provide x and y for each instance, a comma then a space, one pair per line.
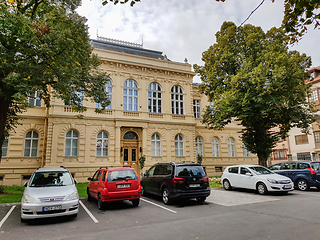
114, 184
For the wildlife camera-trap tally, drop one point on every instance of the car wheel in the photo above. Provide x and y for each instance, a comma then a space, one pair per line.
226, 185
100, 203
262, 189
89, 196
201, 199
302, 185
135, 202
166, 198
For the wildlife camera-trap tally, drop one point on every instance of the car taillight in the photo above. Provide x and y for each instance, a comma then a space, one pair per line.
178, 180
313, 172
205, 179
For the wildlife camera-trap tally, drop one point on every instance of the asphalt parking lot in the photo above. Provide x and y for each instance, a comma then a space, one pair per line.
236, 214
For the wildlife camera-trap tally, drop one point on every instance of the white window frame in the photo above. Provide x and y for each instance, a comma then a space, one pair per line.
130, 95
178, 143
154, 98
34, 99
231, 147
155, 145
5, 146
31, 144
177, 100
102, 144
108, 91
199, 146
74, 141
196, 109
246, 153
215, 147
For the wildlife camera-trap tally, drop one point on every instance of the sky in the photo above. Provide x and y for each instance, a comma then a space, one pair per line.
186, 28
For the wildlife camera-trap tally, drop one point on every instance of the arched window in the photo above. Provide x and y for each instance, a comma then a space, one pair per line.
154, 98
130, 95
31, 144
108, 91
71, 149
5, 144
177, 100
215, 147
34, 99
231, 149
199, 148
246, 153
102, 144
130, 136
178, 142
155, 145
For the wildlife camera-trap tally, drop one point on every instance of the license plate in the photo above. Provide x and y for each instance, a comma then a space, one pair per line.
287, 186
123, 185
194, 185
52, 208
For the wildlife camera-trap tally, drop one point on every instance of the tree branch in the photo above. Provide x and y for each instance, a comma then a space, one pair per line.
252, 13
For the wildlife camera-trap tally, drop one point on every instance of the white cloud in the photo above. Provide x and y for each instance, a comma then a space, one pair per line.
184, 29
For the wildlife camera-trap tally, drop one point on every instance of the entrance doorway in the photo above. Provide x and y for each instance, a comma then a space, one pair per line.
130, 151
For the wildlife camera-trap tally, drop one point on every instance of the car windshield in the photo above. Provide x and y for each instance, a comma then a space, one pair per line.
190, 171
122, 175
52, 178
261, 170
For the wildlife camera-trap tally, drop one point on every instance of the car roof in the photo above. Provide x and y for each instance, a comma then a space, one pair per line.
180, 163
116, 168
52, 169
245, 165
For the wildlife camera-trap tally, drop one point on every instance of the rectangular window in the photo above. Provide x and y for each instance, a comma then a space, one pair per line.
317, 136
196, 109
280, 154
301, 139
304, 156
314, 96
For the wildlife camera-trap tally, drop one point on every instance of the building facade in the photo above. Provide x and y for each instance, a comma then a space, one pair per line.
155, 111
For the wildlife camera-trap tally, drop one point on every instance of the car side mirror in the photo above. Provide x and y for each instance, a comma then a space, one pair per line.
26, 184
89, 178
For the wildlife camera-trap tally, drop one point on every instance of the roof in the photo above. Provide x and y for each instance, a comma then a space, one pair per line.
126, 47
51, 169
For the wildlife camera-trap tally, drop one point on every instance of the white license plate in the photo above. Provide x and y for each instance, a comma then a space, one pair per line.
123, 185
52, 208
194, 185
286, 186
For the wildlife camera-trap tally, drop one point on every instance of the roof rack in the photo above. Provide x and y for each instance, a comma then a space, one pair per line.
63, 167
104, 167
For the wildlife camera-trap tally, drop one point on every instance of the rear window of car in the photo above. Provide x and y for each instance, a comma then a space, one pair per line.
275, 166
303, 165
233, 170
119, 175
190, 171
52, 178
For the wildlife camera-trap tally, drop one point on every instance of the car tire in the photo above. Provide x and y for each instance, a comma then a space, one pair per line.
100, 203
166, 197
302, 184
226, 185
143, 193
201, 199
262, 189
135, 202
89, 196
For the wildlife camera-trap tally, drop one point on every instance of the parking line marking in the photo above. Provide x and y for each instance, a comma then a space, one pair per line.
158, 205
6, 216
89, 213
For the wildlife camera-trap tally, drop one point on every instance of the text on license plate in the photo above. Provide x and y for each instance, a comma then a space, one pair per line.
52, 208
194, 185
286, 186
123, 185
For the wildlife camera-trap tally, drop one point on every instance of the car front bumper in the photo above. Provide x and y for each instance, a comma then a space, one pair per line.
281, 187
37, 210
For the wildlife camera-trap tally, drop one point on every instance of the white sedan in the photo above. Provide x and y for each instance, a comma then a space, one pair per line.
255, 177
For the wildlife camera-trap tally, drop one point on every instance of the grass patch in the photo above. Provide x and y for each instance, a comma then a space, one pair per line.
215, 182
11, 194
82, 189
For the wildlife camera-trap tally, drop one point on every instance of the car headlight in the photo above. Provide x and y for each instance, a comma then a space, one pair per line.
272, 181
28, 199
73, 196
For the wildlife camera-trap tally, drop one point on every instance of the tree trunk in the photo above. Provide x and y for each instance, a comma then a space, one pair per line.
4, 107
263, 160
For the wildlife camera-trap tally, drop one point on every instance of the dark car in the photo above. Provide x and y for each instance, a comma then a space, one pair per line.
114, 184
304, 174
176, 181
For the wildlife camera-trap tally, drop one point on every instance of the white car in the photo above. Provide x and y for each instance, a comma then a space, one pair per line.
51, 192
255, 177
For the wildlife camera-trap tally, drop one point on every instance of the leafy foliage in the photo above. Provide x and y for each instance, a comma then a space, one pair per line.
44, 47
132, 2
252, 77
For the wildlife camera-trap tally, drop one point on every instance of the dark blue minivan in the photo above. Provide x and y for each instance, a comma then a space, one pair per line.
304, 174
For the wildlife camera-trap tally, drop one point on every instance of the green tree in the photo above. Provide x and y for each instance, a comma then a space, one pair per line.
44, 47
252, 77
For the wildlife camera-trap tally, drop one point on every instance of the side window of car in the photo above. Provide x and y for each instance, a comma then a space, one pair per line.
169, 169
233, 170
94, 176
104, 176
244, 170
151, 171
289, 166
303, 165
275, 166
99, 175
160, 170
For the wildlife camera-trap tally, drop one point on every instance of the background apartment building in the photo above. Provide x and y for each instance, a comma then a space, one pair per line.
155, 111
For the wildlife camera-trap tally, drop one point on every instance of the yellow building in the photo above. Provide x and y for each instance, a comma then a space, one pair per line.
155, 111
